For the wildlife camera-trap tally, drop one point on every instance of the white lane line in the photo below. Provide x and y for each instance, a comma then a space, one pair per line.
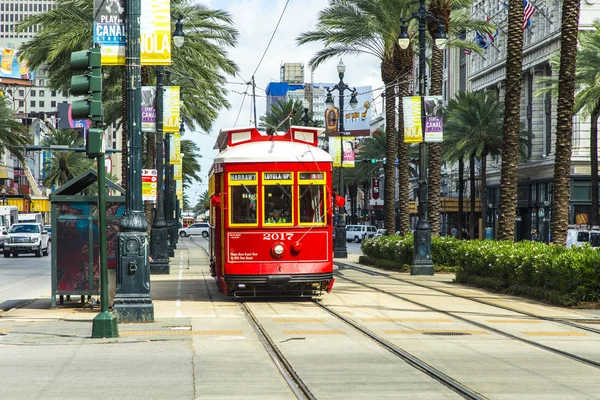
179, 281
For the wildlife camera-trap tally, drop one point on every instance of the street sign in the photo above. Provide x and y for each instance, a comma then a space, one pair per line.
149, 185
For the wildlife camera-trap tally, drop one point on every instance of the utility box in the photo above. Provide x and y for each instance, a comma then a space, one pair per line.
74, 237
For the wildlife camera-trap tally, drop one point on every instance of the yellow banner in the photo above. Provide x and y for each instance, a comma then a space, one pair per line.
171, 109
413, 130
155, 32
336, 151
175, 149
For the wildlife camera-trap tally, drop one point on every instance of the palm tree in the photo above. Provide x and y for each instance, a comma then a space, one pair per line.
564, 121
64, 166
203, 203
190, 164
366, 27
512, 111
201, 65
11, 130
283, 114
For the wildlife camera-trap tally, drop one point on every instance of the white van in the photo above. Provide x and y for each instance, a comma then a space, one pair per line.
357, 233
579, 237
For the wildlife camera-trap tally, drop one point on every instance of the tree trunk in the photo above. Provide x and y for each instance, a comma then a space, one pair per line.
512, 124
594, 165
388, 74
564, 121
124, 135
404, 65
435, 149
472, 197
483, 206
461, 196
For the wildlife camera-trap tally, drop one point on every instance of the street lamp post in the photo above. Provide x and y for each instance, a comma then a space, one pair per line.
158, 234
422, 262
170, 203
306, 119
339, 246
133, 302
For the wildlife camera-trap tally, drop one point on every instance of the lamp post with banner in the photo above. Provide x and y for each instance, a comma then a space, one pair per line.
422, 262
339, 246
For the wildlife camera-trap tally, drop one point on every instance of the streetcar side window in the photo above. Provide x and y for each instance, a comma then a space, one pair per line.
278, 205
312, 198
312, 206
243, 204
243, 188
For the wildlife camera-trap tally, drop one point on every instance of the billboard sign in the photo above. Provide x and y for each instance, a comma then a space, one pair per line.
413, 131
13, 68
356, 121
434, 132
348, 154
171, 113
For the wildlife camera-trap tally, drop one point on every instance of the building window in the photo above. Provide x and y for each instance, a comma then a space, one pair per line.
53, 93
42, 93
42, 104
32, 93
21, 103
53, 103
32, 103
21, 93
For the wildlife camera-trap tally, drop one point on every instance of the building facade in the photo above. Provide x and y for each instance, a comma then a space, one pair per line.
538, 116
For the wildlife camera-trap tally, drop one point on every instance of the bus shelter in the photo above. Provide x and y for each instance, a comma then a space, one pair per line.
74, 236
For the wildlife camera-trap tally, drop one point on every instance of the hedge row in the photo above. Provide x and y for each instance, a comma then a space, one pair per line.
564, 276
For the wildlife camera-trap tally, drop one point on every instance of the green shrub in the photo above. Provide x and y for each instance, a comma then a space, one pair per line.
552, 273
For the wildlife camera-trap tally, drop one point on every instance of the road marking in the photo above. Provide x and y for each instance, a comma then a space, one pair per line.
297, 320
314, 332
514, 321
379, 319
183, 333
179, 279
415, 331
559, 333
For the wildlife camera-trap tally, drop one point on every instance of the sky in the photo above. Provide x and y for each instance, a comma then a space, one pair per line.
255, 21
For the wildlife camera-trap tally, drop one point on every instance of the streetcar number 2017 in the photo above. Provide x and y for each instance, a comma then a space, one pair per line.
278, 236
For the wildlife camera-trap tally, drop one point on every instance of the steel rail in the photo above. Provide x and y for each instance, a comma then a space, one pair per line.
549, 319
571, 356
415, 362
286, 370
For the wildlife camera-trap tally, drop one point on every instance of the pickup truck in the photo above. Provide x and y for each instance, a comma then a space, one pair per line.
26, 238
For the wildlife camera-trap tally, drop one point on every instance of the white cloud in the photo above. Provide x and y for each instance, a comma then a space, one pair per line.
255, 20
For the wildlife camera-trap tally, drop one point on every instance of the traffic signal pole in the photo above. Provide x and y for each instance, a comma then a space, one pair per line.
89, 84
133, 302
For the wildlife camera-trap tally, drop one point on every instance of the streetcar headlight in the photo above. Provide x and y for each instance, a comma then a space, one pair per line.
278, 249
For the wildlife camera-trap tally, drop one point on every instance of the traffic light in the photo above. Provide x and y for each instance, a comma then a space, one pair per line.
94, 143
89, 84
373, 160
366, 216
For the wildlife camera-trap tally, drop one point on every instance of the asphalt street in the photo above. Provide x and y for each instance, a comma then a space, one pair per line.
24, 278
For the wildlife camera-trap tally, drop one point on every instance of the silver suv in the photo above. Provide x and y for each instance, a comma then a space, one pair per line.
195, 229
26, 238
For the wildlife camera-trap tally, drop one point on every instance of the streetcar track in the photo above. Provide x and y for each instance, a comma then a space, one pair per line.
506, 308
295, 383
571, 356
410, 359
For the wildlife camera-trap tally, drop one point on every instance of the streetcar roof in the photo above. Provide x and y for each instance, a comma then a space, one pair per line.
274, 151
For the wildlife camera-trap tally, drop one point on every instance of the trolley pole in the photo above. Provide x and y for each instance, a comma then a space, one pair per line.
132, 301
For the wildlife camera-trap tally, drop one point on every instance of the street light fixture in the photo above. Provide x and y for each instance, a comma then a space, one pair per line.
422, 262
339, 246
306, 119
179, 35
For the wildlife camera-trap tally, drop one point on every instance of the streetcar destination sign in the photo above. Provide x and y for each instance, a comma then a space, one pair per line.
242, 177
285, 176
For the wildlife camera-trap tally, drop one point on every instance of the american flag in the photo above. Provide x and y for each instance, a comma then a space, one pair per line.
528, 11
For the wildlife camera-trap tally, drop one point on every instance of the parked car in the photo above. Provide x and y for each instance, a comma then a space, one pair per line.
579, 237
3, 235
27, 238
195, 229
48, 228
358, 233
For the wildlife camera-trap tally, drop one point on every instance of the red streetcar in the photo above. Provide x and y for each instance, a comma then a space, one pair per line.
271, 213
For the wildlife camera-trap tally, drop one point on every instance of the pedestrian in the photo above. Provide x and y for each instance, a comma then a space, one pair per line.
534, 235
465, 234
454, 232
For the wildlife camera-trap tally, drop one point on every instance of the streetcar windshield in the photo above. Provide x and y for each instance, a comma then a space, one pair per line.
278, 189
